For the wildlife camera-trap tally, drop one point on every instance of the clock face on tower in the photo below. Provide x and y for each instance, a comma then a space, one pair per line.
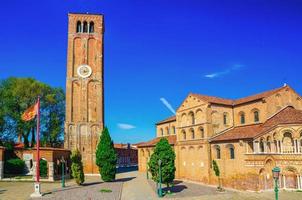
84, 71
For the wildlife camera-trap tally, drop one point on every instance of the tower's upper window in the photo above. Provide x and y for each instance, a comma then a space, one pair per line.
79, 27
85, 27
91, 27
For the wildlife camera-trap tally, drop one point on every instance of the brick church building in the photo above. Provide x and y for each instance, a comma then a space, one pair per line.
247, 137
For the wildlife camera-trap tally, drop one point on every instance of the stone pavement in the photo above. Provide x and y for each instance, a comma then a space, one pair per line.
131, 186
138, 188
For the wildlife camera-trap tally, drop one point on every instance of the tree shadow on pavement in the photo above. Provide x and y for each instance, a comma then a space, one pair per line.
176, 189
124, 179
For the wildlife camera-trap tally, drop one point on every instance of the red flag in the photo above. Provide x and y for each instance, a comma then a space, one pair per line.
30, 113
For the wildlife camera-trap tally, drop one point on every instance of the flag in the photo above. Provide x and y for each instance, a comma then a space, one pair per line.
30, 113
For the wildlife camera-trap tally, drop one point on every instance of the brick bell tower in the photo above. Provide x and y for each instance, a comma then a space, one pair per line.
85, 86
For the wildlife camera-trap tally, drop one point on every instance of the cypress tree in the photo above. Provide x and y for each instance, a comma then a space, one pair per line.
106, 157
164, 152
77, 167
217, 173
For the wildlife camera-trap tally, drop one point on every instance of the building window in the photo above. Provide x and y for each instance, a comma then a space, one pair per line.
242, 118
184, 135
174, 130
91, 27
79, 27
168, 131
232, 153
192, 134
218, 156
225, 118
162, 132
85, 27
256, 116
192, 118
201, 130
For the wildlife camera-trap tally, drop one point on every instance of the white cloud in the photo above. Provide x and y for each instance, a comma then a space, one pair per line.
224, 72
125, 126
167, 104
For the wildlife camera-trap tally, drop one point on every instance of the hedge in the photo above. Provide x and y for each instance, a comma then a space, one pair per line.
14, 166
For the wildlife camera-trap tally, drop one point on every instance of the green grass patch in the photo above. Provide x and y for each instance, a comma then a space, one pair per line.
299, 190
105, 191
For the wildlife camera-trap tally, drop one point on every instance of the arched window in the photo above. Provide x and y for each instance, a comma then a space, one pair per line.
201, 131
256, 116
79, 27
231, 149
91, 27
192, 118
218, 155
184, 135
85, 27
232, 153
225, 118
242, 118
162, 132
261, 144
192, 134
174, 130
167, 131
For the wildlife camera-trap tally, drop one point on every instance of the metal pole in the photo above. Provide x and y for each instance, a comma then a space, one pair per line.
160, 189
276, 189
38, 142
63, 175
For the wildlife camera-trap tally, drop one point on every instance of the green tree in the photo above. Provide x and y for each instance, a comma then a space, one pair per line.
18, 94
106, 157
217, 173
77, 167
164, 152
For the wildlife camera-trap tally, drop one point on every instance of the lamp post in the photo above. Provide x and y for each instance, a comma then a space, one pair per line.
147, 168
160, 192
63, 175
276, 173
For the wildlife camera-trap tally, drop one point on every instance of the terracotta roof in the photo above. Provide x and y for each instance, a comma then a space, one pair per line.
258, 96
170, 119
237, 133
212, 99
288, 115
230, 102
153, 142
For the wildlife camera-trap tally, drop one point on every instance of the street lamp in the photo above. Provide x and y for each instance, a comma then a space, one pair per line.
160, 192
147, 168
276, 173
63, 175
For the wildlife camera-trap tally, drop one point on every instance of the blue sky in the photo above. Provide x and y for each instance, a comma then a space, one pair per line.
156, 51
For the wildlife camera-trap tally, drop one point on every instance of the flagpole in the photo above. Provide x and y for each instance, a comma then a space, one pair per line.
37, 192
38, 141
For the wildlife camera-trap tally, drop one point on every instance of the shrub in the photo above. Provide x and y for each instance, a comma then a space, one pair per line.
14, 166
106, 157
77, 167
43, 168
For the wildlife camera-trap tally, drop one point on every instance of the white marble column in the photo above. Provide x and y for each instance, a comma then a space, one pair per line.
295, 146
277, 147
51, 171
299, 184
254, 147
264, 147
284, 182
299, 146
281, 147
